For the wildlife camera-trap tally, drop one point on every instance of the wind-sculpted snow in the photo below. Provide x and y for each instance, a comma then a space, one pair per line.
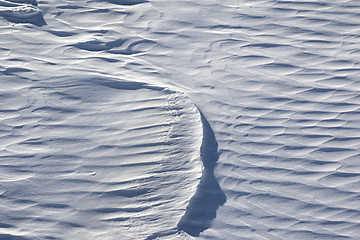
21, 11
100, 158
209, 196
277, 83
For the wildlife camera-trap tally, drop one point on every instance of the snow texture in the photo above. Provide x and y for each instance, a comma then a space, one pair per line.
154, 119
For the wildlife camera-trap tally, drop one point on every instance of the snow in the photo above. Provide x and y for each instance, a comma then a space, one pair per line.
179, 119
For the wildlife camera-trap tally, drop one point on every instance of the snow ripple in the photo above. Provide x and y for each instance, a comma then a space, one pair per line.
277, 82
101, 158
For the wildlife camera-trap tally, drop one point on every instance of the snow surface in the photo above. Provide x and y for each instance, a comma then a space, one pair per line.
184, 119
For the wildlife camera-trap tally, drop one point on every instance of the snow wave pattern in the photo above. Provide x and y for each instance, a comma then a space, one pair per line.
278, 82
101, 159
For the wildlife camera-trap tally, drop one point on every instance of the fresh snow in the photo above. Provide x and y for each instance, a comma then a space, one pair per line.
185, 119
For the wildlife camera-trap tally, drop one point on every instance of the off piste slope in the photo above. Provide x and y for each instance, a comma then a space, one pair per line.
277, 83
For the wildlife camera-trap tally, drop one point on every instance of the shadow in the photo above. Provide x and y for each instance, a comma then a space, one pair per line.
124, 85
209, 196
126, 2
37, 20
32, 2
12, 237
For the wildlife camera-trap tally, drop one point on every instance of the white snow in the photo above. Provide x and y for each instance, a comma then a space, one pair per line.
185, 119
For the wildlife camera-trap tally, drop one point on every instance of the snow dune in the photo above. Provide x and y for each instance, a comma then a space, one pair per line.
97, 159
180, 119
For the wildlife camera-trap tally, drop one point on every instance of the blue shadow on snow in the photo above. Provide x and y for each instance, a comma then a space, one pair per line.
209, 197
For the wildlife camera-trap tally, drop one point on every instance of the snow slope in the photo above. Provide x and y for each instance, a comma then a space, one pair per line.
180, 119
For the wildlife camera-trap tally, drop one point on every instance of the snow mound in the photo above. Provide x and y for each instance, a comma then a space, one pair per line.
21, 12
119, 158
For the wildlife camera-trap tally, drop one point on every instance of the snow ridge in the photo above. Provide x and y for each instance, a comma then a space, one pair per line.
209, 196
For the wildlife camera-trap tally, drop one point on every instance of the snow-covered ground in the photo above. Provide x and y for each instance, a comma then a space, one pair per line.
208, 119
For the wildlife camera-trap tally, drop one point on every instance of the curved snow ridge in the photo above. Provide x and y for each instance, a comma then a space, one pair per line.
21, 11
97, 159
209, 196
202, 208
